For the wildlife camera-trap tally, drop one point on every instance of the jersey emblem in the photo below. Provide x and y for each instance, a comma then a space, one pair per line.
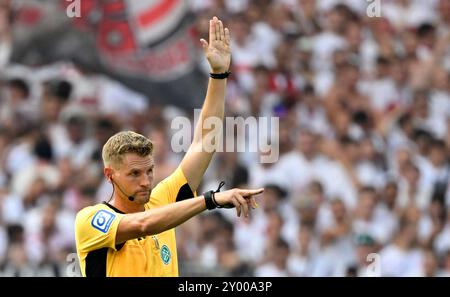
165, 254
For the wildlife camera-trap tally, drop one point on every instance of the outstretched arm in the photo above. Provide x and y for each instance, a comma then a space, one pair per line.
166, 217
218, 53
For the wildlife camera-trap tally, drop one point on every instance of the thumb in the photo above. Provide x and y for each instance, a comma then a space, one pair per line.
204, 44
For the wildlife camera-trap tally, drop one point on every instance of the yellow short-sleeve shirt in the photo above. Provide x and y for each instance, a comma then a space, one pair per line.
95, 233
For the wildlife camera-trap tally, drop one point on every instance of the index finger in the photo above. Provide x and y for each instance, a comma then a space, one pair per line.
246, 193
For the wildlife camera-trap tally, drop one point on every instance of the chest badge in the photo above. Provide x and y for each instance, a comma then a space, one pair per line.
165, 255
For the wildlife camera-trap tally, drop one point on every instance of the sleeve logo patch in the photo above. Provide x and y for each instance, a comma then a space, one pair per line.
102, 220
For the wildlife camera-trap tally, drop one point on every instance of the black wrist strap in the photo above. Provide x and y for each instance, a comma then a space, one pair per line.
220, 75
210, 203
210, 200
222, 183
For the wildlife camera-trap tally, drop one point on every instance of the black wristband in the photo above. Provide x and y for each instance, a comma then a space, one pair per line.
220, 75
214, 200
210, 203
229, 205
210, 200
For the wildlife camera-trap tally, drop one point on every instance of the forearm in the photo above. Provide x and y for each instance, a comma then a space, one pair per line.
164, 218
213, 106
200, 152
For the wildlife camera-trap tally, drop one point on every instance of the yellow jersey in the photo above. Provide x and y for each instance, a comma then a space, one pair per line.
95, 234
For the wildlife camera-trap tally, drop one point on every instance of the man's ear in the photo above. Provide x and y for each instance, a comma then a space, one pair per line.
108, 172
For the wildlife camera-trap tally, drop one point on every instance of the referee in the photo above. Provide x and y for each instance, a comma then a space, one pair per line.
133, 234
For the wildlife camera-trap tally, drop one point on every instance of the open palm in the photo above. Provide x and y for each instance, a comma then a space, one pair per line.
218, 50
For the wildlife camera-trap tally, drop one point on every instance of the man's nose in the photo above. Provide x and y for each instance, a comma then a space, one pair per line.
146, 181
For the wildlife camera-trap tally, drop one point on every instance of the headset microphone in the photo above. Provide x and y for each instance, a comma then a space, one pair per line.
130, 197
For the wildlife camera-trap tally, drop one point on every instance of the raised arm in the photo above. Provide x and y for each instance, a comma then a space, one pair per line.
163, 218
218, 53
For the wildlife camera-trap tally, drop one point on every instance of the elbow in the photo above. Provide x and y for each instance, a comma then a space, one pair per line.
145, 226
150, 228
155, 222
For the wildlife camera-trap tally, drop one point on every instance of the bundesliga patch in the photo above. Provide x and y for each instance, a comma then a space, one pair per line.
165, 254
102, 220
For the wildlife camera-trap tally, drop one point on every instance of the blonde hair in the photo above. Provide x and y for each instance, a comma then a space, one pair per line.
122, 143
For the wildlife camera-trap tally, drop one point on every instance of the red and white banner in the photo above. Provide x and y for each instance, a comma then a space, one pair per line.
149, 45
152, 20
143, 38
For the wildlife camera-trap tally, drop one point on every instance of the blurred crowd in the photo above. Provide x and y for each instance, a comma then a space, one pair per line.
361, 186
